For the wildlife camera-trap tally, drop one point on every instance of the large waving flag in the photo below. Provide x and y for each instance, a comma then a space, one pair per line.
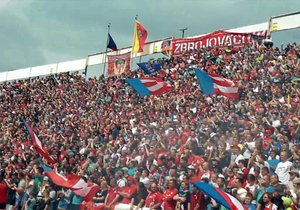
111, 43
149, 86
213, 83
37, 144
139, 37
221, 197
86, 190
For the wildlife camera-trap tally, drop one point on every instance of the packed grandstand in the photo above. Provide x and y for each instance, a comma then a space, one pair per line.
155, 152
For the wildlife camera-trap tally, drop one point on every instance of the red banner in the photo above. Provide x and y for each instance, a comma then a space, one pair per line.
118, 64
222, 39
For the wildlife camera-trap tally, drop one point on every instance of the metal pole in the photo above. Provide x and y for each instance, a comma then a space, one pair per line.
183, 30
86, 66
105, 55
136, 17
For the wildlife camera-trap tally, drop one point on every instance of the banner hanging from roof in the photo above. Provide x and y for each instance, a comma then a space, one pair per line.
222, 39
118, 64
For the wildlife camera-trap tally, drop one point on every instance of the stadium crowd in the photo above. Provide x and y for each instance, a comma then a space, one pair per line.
147, 151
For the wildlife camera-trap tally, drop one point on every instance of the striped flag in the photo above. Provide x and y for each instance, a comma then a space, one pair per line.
149, 86
37, 144
86, 190
221, 197
215, 84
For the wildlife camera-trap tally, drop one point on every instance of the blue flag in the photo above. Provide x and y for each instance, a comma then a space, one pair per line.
111, 43
149, 69
205, 82
156, 66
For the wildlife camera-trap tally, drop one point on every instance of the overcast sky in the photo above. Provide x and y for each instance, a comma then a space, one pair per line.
37, 32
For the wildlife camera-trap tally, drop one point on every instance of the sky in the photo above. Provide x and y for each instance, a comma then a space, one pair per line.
38, 32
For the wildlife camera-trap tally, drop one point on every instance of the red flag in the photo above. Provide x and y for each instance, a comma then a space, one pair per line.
37, 144
139, 37
86, 190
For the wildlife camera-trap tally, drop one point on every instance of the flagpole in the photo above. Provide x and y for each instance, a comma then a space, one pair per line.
136, 17
108, 30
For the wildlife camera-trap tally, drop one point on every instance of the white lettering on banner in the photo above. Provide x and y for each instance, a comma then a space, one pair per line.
184, 47
221, 40
177, 48
211, 42
191, 46
228, 40
236, 39
198, 45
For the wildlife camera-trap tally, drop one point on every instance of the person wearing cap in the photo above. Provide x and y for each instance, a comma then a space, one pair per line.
154, 198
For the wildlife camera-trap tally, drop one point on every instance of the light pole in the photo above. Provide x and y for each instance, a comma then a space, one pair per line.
183, 30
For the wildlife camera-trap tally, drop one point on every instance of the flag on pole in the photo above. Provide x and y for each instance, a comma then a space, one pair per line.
212, 83
37, 144
139, 37
149, 86
111, 43
86, 190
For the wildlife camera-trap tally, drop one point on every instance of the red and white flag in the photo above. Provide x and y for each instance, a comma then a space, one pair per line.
224, 86
149, 86
37, 144
86, 190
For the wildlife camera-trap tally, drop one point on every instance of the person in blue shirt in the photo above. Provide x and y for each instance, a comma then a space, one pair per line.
21, 199
273, 161
75, 202
248, 202
62, 201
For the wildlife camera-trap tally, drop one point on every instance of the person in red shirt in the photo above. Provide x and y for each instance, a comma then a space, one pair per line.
3, 194
168, 198
128, 191
111, 197
196, 199
154, 198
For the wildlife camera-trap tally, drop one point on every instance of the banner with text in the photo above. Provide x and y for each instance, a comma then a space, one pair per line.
118, 64
222, 39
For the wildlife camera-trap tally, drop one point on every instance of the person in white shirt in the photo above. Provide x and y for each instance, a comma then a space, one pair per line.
283, 168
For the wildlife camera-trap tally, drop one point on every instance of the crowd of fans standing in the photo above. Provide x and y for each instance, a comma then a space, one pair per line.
147, 151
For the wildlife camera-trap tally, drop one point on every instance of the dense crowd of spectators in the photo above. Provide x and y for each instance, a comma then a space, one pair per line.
147, 151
